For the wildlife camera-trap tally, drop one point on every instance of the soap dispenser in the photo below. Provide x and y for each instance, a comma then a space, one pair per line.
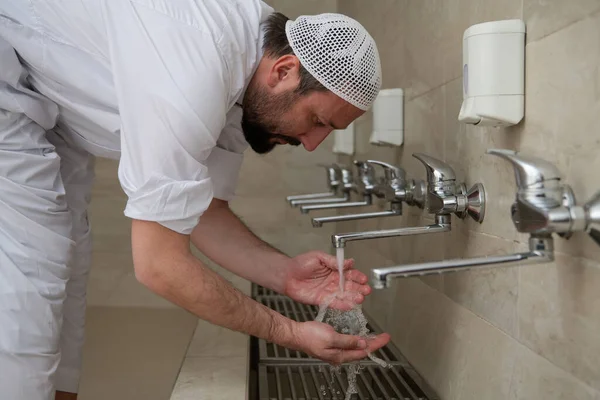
494, 74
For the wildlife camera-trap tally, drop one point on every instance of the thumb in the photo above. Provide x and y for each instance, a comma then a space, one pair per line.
348, 342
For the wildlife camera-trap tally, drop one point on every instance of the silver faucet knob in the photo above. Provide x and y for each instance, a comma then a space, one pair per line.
365, 182
437, 170
391, 172
592, 216
530, 172
334, 175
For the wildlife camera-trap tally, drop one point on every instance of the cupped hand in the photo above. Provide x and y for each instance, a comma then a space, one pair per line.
321, 341
313, 278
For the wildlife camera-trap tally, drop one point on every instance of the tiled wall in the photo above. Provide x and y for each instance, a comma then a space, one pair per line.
530, 332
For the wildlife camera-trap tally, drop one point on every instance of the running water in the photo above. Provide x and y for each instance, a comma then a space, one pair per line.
351, 322
340, 265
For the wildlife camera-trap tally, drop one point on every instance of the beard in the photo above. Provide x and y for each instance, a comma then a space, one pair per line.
261, 120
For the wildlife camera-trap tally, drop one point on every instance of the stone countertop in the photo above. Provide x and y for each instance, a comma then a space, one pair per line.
216, 363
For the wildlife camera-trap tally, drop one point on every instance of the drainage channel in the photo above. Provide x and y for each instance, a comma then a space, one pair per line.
284, 374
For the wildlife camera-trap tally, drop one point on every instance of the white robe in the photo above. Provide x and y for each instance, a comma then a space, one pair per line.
152, 82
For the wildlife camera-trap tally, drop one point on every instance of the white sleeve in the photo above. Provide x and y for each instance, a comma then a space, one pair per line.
172, 90
225, 160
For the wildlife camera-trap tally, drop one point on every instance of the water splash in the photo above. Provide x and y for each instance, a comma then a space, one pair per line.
350, 322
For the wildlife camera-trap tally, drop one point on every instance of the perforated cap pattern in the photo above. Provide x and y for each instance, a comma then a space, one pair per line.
340, 54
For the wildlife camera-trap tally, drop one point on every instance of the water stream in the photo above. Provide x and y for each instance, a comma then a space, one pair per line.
350, 322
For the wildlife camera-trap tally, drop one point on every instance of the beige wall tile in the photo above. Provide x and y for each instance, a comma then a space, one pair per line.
388, 28
449, 345
294, 8
558, 314
548, 16
564, 98
424, 132
491, 355
428, 331
490, 293
534, 377
434, 37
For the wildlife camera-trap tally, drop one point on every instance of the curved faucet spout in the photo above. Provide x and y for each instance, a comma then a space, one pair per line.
325, 200
326, 206
318, 222
541, 250
310, 196
442, 224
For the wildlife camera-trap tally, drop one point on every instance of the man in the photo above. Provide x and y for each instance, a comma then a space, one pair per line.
176, 89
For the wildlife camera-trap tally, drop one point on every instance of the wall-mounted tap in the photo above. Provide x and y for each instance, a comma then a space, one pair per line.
443, 197
340, 182
393, 187
543, 206
364, 185
446, 196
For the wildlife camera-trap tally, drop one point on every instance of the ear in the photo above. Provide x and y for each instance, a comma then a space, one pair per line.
284, 73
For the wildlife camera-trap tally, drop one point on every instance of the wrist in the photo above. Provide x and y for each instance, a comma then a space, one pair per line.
283, 331
281, 274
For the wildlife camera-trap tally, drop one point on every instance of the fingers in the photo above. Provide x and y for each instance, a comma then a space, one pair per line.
347, 342
355, 275
349, 355
377, 342
354, 287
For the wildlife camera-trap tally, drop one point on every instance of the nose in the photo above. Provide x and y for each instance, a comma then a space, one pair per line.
311, 140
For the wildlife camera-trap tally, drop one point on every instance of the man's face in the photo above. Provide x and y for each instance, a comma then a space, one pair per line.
272, 119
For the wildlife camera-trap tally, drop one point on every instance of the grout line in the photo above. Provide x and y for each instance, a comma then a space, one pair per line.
428, 91
590, 15
516, 339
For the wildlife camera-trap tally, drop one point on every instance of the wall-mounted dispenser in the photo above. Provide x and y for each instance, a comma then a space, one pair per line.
343, 140
494, 73
388, 118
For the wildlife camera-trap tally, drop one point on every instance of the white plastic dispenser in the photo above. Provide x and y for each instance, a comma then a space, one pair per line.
343, 140
494, 73
388, 118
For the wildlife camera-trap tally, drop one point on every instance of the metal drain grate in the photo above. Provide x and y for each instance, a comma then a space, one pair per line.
258, 291
317, 381
302, 313
283, 374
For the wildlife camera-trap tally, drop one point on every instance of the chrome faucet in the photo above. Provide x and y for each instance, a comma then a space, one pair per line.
364, 185
543, 206
443, 197
339, 180
394, 188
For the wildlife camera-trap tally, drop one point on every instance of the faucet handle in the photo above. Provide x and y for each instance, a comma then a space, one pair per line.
365, 181
530, 172
592, 216
437, 170
334, 175
391, 172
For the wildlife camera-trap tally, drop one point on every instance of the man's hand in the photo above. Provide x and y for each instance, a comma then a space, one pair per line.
321, 341
312, 278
